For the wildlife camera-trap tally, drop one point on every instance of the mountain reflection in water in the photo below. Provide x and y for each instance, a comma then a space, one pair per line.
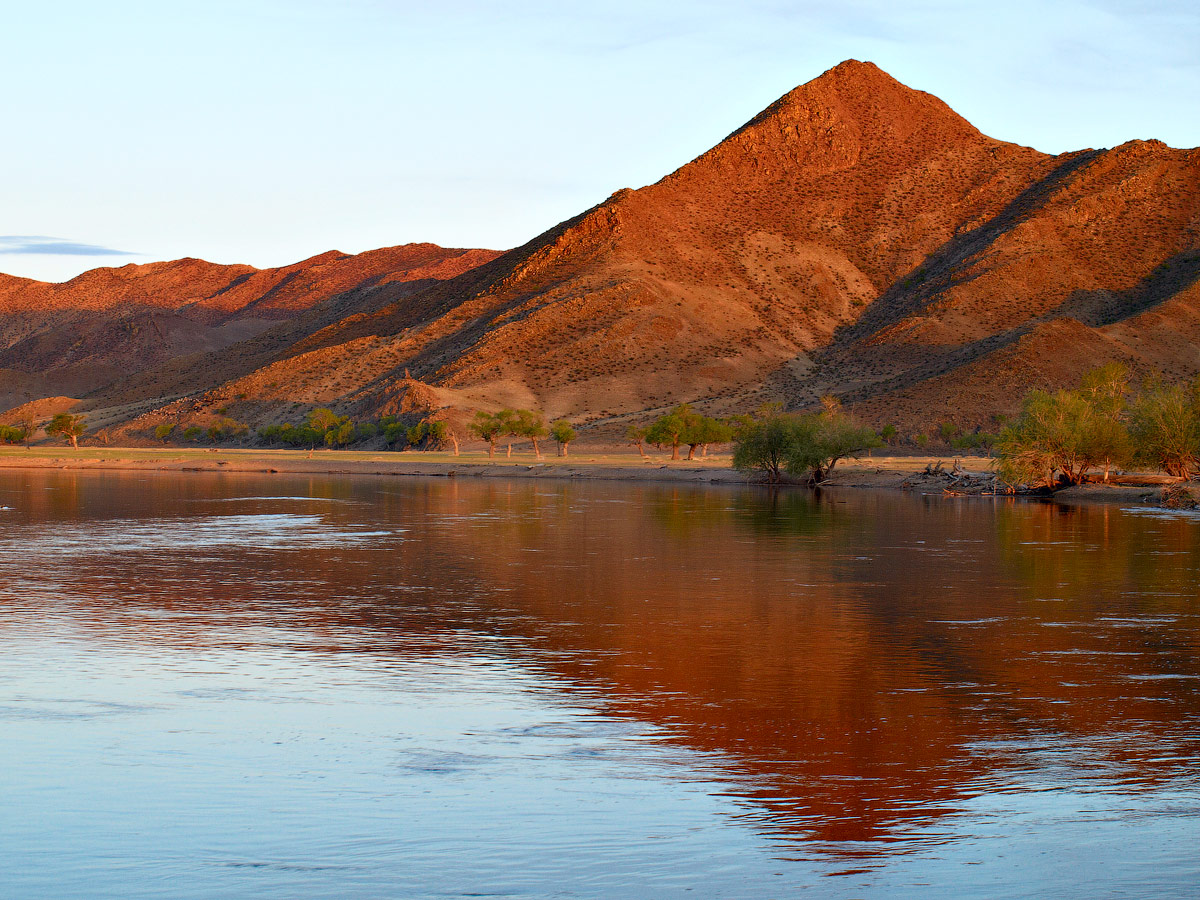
857, 670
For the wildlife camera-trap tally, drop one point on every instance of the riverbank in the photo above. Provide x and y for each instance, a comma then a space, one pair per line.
910, 473
603, 466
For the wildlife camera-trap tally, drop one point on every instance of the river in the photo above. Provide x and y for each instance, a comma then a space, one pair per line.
226, 686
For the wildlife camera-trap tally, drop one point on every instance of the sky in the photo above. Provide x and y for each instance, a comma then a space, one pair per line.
268, 131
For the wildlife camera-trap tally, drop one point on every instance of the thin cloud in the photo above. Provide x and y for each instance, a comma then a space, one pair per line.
20, 244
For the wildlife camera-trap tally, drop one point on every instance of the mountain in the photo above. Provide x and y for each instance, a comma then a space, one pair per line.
857, 237
105, 324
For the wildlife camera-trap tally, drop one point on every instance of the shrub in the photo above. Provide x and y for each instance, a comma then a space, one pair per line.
811, 444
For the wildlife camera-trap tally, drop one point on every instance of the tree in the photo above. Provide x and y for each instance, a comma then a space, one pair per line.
888, 433
826, 439
340, 435
507, 419
323, 419
438, 434
1059, 437
192, 433
162, 432
637, 435
68, 427
765, 444
488, 427
704, 430
394, 432
530, 425
667, 430
225, 428
775, 442
563, 433
1165, 425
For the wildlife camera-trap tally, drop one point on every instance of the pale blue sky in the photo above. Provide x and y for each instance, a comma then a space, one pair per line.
265, 131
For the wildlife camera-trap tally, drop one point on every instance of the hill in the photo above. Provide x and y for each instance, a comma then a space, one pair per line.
108, 323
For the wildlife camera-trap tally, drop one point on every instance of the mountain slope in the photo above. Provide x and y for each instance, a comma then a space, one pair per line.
738, 265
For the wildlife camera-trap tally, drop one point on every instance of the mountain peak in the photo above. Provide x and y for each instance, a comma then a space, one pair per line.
852, 105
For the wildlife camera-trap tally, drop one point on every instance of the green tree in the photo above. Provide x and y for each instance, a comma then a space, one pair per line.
667, 430
888, 434
162, 432
488, 427
765, 444
340, 435
531, 426
1058, 438
395, 432
828, 438
635, 434
439, 434
1165, 425
563, 434
415, 434
323, 419
808, 445
192, 433
67, 426
702, 431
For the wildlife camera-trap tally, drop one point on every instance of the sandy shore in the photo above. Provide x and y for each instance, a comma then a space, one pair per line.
881, 472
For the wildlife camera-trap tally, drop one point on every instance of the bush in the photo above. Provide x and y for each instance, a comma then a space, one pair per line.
162, 432
811, 444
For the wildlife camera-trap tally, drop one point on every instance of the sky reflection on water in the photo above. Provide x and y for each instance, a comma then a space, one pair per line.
413, 688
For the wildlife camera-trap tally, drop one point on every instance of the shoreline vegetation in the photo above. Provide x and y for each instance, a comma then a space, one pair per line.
1059, 442
934, 475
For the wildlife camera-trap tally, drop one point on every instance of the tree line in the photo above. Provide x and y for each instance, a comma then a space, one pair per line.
520, 424
683, 427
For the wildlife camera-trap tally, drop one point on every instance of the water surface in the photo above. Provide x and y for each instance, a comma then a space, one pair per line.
252, 686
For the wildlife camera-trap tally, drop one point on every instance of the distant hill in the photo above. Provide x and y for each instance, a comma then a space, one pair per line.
109, 323
857, 237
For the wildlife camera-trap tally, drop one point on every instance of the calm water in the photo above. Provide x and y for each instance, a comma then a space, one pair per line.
285, 687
